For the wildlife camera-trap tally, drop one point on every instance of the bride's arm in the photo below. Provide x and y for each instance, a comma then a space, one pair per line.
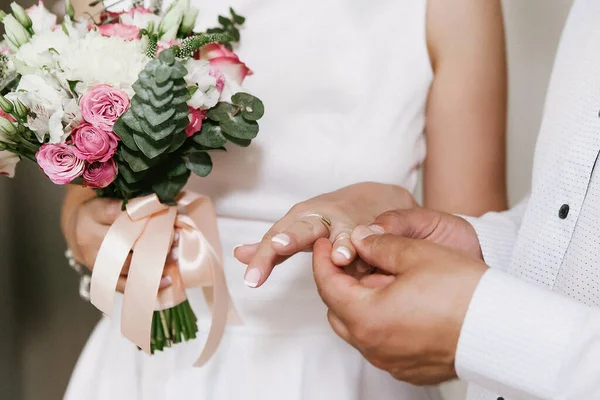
464, 171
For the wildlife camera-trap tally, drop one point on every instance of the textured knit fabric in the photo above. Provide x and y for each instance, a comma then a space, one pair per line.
344, 85
533, 326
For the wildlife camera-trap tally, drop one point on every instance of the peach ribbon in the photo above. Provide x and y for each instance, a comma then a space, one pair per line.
147, 227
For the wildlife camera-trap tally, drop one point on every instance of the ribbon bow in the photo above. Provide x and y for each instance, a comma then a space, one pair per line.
147, 227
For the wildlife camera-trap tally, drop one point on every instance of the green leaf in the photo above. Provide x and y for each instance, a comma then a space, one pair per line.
238, 19
177, 168
210, 135
237, 141
150, 148
129, 175
178, 71
125, 133
158, 132
137, 161
162, 73
240, 127
235, 33
157, 116
224, 21
199, 163
167, 188
178, 141
252, 108
192, 90
221, 112
167, 57
72, 85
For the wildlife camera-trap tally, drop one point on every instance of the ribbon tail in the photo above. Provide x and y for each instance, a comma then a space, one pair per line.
144, 277
219, 313
113, 253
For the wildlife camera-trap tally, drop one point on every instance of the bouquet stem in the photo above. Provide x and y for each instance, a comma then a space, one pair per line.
173, 325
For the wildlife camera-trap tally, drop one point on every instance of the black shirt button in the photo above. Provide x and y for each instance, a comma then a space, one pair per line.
563, 212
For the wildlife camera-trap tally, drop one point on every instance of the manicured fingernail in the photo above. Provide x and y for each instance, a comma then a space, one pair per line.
362, 232
281, 239
236, 247
343, 250
252, 277
165, 282
176, 236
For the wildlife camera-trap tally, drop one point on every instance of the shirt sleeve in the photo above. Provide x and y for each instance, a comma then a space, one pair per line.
497, 233
524, 341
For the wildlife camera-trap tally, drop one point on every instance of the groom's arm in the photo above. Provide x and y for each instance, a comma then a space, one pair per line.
520, 340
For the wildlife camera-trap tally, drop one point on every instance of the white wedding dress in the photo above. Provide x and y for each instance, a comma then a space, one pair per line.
344, 84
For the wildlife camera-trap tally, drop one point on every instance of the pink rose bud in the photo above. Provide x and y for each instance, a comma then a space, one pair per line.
126, 32
99, 175
225, 61
102, 105
196, 117
59, 163
93, 144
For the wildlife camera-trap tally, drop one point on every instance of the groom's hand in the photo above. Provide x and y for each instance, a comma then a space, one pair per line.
410, 325
434, 226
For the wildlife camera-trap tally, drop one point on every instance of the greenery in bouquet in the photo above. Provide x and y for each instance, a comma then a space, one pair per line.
129, 106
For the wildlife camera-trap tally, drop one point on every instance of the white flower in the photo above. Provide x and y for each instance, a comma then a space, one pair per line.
44, 98
140, 17
95, 59
198, 75
39, 52
43, 20
8, 162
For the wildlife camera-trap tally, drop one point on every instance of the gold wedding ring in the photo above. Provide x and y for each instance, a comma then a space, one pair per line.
324, 220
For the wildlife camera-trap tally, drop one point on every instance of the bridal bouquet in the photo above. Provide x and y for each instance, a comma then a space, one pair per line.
131, 105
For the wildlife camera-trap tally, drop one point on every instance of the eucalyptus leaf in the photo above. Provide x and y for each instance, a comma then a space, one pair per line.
221, 112
162, 73
210, 135
237, 141
125, 133
240, 127
136, 160
199, 163
150, 148
252, 108
177, 141
129, 175
157, 116
167, 188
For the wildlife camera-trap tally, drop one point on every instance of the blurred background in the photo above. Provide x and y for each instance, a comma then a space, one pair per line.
44, 324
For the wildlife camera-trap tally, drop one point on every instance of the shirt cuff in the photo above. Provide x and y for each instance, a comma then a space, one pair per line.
515, 336
497, 236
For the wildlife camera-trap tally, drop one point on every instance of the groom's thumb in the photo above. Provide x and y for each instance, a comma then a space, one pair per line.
390, 253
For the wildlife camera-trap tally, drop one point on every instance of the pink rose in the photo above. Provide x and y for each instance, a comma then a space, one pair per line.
102, 105
196, 117
93, 144
99, 175
59, 163
126, 32
225, 61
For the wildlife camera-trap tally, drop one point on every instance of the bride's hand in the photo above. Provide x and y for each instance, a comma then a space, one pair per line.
85, 222
308, 221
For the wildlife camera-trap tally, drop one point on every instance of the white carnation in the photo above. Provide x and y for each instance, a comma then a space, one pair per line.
198, 75
95, 59
39, 52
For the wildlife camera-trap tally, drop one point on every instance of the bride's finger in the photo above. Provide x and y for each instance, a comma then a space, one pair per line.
245, 253
343, 252
265, 259
299, 236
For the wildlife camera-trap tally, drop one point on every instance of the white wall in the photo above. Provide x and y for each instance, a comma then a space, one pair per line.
533, 28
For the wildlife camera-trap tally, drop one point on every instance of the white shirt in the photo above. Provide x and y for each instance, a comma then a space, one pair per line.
533, 326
